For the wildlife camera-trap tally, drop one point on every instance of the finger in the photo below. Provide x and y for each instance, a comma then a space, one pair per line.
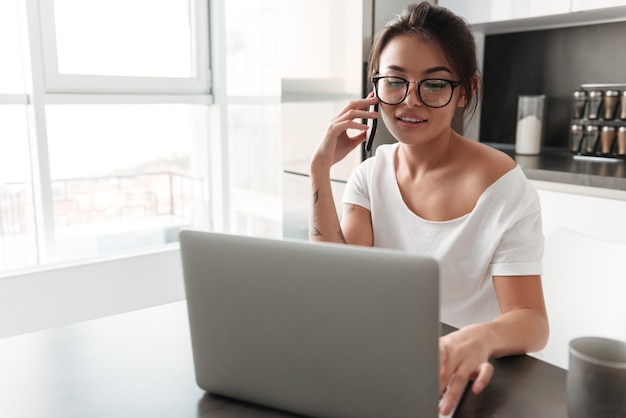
358, 104
442, 369
358, 138
339, 129
354, 114
347, 141
371, 99
485, 372
445, 369
453, 394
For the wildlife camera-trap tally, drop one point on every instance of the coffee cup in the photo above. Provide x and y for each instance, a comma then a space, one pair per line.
596, 378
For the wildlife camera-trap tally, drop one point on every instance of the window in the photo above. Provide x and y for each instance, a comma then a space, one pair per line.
111, 140
123, 176
322, 57
18, 243
283, 56
157, 46
322, 50
11, 69
104, 134
250, 103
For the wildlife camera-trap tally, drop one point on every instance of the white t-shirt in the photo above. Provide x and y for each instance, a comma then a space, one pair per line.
502, 236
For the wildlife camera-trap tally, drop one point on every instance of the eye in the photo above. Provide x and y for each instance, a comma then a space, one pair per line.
435, 85
395, 83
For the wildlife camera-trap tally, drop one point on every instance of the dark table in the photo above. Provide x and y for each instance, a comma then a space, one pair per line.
139, 364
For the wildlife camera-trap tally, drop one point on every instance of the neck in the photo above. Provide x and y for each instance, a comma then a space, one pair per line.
419, 160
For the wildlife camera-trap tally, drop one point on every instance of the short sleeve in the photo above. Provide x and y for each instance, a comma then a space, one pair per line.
357, 188
520, 251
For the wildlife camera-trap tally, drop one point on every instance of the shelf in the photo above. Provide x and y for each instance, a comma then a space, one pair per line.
579, 18
558, 165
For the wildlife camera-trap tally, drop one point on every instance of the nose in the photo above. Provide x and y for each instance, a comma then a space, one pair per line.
412, 96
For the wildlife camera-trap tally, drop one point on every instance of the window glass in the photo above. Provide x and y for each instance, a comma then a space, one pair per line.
124, 38
298, 144
11, 70
252, 76
18, 244
320, 57
125, 176
256, 167
251, 48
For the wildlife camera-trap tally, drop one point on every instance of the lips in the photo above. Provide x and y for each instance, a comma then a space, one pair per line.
410, 119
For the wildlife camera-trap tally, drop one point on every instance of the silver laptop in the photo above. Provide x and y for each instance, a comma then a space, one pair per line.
323, 330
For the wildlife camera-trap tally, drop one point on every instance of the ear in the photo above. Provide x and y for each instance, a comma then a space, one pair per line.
464, 99
462, 102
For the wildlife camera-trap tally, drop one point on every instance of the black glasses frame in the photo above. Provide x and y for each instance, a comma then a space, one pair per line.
453, 85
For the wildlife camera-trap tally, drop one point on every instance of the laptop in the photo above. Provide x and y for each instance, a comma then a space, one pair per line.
323, 330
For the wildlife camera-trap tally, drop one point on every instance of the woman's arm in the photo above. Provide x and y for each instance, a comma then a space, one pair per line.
356, 222
334, 147
523, 324
324, 220
521, 327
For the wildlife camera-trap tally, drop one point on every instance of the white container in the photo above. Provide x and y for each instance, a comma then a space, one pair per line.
529, 124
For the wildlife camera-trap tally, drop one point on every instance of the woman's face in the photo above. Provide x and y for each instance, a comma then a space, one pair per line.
415, 59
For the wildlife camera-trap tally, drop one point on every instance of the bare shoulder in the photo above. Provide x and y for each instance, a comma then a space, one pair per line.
484, 164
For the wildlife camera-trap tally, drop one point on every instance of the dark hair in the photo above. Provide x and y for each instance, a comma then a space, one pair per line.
450, 31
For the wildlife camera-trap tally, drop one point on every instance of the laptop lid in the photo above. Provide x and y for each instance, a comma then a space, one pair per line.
324, 330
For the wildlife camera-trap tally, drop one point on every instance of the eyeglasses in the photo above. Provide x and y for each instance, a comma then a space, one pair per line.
433, 92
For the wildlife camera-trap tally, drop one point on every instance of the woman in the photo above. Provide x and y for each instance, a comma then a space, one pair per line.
435, 192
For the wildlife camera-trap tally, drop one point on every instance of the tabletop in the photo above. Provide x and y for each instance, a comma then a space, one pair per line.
139, 364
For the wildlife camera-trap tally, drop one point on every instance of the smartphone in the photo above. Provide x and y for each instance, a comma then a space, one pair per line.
370, 138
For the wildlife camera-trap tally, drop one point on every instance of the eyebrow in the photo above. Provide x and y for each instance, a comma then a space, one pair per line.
428, 71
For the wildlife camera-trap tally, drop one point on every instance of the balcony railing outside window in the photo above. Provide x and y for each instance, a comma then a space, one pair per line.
91, 214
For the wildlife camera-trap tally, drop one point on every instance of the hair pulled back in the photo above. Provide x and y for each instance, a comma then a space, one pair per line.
452, 34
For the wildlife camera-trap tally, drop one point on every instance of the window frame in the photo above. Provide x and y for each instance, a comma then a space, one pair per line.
199, 83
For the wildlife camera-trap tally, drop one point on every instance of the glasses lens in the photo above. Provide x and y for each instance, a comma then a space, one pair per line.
435, 93
391, 90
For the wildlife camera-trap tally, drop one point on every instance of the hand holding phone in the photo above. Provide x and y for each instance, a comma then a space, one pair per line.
372, 134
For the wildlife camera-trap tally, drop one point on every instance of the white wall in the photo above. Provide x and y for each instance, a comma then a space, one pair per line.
56, 296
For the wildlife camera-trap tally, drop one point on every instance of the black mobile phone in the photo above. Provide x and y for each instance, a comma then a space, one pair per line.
370, 139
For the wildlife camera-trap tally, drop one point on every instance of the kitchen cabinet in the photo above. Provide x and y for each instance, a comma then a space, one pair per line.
484, 11
596, 216
580, 5
583, 276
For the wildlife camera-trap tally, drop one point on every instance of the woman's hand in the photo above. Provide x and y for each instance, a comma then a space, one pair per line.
522, 327
463, 356
336, 144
